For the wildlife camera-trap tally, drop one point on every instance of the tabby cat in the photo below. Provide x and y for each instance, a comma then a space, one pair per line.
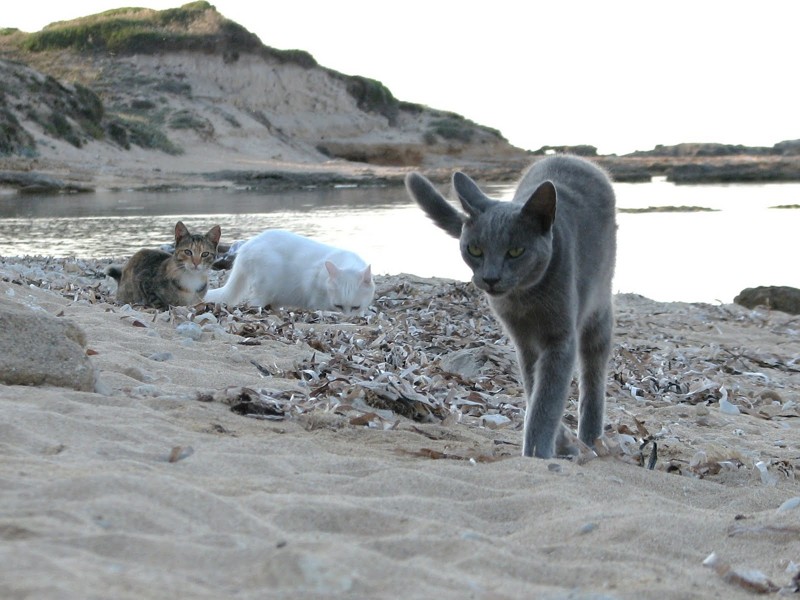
160, 279
545, 261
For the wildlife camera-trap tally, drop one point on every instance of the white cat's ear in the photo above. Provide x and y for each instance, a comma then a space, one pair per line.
366, 276
180, 231
332, 269
214, 234
473, 200
541, 206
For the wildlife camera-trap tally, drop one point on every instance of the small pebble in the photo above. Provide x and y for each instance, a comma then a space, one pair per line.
190, 330
205, 318
588, 528
495, 421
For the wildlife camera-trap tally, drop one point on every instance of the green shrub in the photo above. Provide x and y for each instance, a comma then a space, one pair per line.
373, 96
126, 130
453, 128
14, 140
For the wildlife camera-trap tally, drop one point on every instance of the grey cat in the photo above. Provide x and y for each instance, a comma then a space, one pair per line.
545, 261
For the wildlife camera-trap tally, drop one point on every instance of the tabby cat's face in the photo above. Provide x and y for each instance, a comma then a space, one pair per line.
193, 251
505, 250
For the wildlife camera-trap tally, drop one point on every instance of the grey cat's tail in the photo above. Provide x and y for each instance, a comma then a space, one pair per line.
438, 209
115, 272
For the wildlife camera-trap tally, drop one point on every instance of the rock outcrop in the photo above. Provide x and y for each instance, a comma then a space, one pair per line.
37, 348
188, 83
783, 298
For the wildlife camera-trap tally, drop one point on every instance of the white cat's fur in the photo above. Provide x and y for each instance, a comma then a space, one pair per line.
282, 269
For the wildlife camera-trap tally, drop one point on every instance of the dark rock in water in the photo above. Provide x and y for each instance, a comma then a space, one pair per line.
783, 298
39, 349
38, 183
743, 172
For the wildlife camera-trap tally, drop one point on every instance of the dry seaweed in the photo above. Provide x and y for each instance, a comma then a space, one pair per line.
431, 352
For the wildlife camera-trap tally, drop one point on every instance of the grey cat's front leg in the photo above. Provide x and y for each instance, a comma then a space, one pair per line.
595, 349
546, 403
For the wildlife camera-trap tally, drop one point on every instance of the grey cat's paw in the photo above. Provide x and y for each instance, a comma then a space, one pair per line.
569, 445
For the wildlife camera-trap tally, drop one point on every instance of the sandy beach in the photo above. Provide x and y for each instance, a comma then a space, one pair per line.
249, 454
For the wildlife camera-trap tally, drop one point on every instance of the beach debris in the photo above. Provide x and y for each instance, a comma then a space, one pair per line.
255, 404
726, 405
442, 455
431, 352
789, 504
179, 453
767, 478
751, 580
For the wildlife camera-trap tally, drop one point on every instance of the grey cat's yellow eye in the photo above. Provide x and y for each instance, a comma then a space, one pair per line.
515, 252
474, 250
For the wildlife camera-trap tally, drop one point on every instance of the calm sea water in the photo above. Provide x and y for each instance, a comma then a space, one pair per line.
690, 256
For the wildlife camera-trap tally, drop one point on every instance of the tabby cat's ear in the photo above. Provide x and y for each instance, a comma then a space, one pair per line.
214, 234
180, 231
473, 200
541, 206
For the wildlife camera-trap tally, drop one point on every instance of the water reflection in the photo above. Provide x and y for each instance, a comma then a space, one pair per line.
677, 256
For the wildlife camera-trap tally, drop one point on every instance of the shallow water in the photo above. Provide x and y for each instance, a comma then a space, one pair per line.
691, 256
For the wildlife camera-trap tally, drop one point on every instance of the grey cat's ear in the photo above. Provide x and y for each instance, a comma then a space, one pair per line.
214, 234
180, 231
473, 200
541, 206
439, 210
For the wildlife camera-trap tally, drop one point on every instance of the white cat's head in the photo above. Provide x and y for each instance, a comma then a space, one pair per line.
350, 291
508, 245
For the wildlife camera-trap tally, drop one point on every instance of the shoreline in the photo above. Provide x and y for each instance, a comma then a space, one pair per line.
199, 172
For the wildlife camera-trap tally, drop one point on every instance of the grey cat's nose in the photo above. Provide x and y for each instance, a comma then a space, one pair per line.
491, 281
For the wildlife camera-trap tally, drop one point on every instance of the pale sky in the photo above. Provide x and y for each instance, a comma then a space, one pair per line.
620, 75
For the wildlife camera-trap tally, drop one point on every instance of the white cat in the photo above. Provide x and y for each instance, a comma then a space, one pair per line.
282, 269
